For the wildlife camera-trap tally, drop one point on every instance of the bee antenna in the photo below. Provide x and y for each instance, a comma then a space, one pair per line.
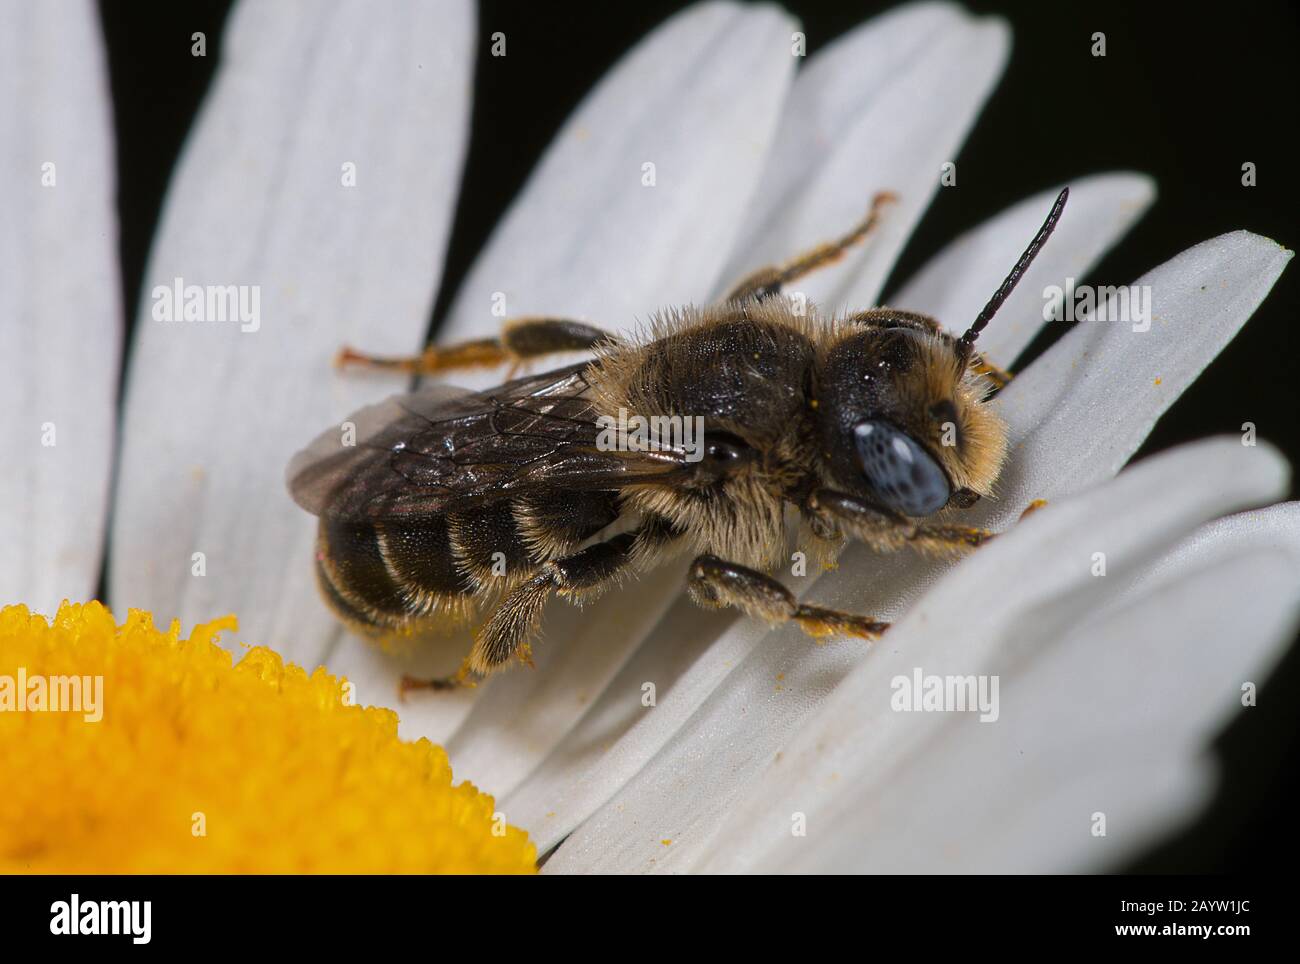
967, 341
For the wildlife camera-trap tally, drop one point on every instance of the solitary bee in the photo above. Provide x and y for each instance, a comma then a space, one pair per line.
452, 504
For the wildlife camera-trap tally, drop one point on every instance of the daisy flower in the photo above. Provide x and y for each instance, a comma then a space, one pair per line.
1125, 624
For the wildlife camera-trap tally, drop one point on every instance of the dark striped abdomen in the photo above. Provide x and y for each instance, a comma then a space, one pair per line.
385, 575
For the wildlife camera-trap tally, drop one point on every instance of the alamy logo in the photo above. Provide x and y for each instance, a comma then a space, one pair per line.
1129, 303
133, 917
182, 302
658, 433
919, 693
52, 694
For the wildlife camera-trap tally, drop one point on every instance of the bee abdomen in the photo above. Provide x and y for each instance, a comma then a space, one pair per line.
384, 576
388, 575
486, 545
554, 524
511, 537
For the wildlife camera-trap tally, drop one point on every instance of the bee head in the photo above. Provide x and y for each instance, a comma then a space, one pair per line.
903, 421
902, 417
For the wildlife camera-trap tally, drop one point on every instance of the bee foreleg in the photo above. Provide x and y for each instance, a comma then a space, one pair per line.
716, 582
766, 282
521, 340
887, 531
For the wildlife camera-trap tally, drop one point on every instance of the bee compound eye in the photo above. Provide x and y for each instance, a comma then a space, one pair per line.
900, 473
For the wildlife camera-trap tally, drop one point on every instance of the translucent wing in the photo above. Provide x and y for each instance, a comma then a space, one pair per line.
446, 449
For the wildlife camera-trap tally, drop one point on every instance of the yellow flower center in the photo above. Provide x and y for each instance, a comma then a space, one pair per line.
127, 750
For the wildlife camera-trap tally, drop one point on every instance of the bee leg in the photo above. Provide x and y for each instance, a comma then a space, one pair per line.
521, 340
766, 282
716, 582
516, 619
580, 576
888, 531
1033, 507
464, 678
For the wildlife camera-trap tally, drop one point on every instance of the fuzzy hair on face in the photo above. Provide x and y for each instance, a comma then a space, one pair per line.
937, 381
920, 385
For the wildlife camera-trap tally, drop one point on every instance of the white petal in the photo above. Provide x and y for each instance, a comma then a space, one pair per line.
1276, 527
586, 239
523, 715
685, 658
574, 668
585, 770
376, 672
61, 325
1080, 411
1111, 382
214, 412
1115, 718
957, 283
1089, 439
698, 99
835, 88
526, 716
882, 109
736, 800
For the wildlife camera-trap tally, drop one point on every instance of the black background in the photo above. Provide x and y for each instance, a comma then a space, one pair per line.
1185, 94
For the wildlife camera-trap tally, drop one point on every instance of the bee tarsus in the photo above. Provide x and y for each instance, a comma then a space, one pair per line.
717, 583
521, 340
766, 282
457, 681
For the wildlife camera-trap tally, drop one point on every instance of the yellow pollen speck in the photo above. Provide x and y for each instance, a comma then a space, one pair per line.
667, 841
199, 765
1157, 381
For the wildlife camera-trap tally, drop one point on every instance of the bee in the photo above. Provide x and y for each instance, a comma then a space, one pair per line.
452, 506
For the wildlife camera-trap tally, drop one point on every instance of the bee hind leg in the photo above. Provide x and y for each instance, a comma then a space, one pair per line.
464, 678
580, 576
521, 340
716, 583
768, 281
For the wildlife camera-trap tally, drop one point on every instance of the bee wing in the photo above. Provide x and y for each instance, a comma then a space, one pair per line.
445, 449
318, 470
